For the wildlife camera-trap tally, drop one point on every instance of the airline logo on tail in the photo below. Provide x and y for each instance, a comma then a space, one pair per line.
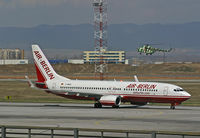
44, 65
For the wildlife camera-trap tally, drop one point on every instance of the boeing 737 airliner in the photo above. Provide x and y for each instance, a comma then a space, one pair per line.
106, 93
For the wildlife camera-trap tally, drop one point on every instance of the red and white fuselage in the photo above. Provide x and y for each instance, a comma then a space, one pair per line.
110, 93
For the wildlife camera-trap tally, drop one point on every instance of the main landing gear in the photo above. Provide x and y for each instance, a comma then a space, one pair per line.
97, 105
115, 106
172, 106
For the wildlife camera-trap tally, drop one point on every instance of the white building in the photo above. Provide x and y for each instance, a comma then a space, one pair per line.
76, 61
114, 57
13, 61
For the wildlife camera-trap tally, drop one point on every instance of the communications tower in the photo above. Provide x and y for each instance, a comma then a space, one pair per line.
100, 35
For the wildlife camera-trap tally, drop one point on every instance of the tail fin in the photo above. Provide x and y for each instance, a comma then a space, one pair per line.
44, 69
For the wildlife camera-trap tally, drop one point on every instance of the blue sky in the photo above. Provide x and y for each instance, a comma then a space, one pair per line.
28, 13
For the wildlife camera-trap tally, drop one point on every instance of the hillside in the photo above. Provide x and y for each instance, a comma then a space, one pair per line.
120, 36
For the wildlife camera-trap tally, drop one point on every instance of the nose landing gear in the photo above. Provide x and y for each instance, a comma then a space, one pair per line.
173, 105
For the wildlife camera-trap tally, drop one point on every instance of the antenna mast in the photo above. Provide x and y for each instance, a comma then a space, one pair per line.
100, 35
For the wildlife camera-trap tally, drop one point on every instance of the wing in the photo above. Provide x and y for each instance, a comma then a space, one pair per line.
85, 94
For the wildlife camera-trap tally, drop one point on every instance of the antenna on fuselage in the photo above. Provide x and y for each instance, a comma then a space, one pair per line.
135, 78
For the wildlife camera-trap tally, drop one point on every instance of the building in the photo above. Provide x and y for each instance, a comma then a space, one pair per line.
11, 54
76, 61
115, 57
13, 61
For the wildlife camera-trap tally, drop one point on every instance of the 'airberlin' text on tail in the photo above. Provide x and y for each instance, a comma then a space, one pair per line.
44, 65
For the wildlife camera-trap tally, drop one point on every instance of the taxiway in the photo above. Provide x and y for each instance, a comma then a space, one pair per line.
85, 116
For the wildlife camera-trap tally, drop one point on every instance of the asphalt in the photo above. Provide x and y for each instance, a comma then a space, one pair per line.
85, 116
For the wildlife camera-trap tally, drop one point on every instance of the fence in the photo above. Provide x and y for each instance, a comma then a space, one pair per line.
50, 132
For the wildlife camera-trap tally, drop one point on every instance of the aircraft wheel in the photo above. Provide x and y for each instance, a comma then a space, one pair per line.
115, 106
97, 105
172, 106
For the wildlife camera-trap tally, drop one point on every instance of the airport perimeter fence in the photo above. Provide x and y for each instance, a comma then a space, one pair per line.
63, 132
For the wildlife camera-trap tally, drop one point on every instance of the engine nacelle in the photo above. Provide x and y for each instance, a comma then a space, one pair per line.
110, 100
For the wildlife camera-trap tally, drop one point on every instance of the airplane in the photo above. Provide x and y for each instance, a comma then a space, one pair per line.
104, 93
149, 50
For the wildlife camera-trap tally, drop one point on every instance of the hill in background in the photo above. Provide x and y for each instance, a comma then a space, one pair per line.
128, 37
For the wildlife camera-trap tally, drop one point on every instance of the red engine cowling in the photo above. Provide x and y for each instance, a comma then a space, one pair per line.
110, 100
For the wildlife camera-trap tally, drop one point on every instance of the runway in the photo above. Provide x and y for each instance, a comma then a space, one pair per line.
85, 116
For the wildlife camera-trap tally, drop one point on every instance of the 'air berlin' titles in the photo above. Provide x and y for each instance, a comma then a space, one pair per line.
142, 86
44, 65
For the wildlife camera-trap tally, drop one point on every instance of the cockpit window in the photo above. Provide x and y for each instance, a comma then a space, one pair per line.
178, 89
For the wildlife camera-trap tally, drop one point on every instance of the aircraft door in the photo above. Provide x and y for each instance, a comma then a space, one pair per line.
165, 90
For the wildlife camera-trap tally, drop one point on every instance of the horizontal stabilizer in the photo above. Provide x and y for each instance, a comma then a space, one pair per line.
30, 83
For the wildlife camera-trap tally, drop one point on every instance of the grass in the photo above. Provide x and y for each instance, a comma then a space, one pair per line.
113, 69
20, 92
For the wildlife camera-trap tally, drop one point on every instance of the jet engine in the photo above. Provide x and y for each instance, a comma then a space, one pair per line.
110, 100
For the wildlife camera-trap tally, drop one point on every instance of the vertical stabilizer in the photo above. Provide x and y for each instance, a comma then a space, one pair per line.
44, 69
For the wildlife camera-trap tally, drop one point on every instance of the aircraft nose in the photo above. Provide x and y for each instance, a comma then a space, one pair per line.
187, 94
